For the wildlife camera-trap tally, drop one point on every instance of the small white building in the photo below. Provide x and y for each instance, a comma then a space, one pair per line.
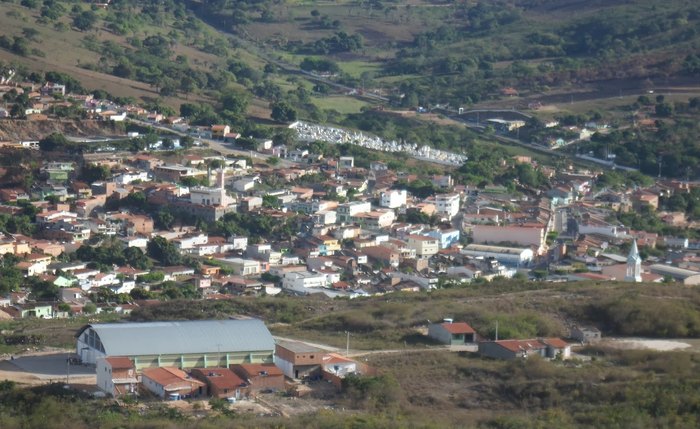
303, 279
348, 210
238, 242
393, 199
447, 205
505, 255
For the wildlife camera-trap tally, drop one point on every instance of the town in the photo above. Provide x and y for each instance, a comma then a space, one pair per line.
109, 231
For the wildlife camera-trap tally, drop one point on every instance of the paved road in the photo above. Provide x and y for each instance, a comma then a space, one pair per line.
52, 366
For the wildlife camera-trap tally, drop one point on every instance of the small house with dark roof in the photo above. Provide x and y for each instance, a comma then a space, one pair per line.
452, 333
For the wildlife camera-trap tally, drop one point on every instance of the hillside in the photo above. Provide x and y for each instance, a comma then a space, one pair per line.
238, 61
462, 52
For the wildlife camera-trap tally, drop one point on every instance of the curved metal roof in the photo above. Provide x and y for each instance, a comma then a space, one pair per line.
183, 337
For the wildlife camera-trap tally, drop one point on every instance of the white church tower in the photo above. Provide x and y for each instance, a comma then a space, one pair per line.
634, 264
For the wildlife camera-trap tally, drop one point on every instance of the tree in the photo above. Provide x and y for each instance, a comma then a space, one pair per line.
136, 258
283, 112
89, 308
94, 172
163, 251
164, 219
85, 20
53, 142
20, 46
235, 102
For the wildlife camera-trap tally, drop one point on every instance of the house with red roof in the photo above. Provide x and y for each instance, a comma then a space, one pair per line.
260, 376
171, 383
221, 382
116, 376
452, 333
550, 348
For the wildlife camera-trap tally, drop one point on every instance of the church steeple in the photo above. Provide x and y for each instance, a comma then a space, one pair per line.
634, 264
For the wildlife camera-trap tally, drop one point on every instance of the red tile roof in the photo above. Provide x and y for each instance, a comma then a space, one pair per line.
458, 328
171, 378
221, 378
520, 345
255, 369
120, 362
557, 343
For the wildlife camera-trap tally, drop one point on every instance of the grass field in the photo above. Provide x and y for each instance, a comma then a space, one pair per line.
342, 104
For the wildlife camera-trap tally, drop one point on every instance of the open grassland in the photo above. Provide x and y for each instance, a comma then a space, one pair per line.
58, 47
340, 104
522, 309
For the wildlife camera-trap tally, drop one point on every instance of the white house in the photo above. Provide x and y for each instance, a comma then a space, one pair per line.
238, 242
447, 205
393, 199
348, 210
303, 279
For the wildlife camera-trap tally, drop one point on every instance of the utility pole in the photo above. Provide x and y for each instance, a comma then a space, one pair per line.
496, 330
347, 343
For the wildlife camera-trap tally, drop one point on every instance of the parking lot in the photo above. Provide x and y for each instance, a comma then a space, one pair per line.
53, 366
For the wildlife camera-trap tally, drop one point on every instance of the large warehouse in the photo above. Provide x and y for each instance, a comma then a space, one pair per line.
185, 344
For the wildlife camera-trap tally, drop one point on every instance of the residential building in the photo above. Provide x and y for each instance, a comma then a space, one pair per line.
116, 376
383, 255
452, 333
243, 267
305, 279
221, 382
175, 173
446, 237
265, 376
425, 247
585, 334
171, 383
348, 210
447, 205
519, 349
346, 163
376, 219
393, 199
298, 360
